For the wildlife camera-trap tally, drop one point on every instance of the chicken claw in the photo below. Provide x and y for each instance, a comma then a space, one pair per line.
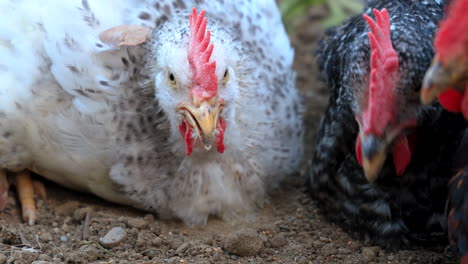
25, 189
3, 190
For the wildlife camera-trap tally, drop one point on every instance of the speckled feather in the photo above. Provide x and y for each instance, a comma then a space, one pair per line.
392, 210
94, 121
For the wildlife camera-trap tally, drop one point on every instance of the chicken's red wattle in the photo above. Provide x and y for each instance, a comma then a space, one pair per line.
220, 137
186, 132
451, 100
402, 152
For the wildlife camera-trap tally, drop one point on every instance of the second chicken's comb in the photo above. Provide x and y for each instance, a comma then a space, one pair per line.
452, 37
200, 50
384, 69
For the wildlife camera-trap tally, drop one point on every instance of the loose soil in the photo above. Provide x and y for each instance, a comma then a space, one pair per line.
288, 230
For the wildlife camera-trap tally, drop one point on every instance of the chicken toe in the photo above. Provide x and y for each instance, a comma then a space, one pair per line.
25, 189
3, 189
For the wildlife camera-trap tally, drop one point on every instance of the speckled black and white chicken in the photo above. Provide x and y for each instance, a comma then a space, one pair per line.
135, 102
382, 159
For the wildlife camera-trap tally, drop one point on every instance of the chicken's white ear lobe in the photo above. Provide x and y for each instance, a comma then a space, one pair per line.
124, 35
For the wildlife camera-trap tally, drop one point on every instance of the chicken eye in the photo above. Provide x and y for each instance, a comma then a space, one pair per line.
171, 79
226, 76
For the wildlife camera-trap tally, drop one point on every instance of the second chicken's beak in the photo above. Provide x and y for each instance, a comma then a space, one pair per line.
374, 153
439, 78
204, 119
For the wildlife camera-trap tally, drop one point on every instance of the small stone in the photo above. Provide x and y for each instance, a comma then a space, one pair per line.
80, 214
45, 237
68, 221
144, 239
93, 238
329, 249
278, 241
43, 257
151, 253
390, 257
149, 218
344, 251
263, 237
56, 230
84, 254
64, 238
41, 262
182, 248
243, 243
66, 228
67, 209
9, 237
113, 238
324, 239
234, 257
3, 259
22, 257
208, 250
157, 242
369, 253
138, 223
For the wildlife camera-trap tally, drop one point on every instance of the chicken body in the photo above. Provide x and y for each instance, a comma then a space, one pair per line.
105, 119
394, 209
447, 78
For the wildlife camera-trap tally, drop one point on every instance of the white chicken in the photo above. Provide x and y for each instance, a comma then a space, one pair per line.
133, 101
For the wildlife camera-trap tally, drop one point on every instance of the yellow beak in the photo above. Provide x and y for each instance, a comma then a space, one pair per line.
374, 153
439, 78
204, 119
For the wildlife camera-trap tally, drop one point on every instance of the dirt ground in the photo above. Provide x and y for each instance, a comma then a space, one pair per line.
288, 230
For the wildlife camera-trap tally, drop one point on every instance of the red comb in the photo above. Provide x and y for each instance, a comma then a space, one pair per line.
384, 69
200, 50
452, 37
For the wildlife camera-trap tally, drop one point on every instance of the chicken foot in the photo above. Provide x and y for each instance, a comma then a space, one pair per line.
27, 188
3, 189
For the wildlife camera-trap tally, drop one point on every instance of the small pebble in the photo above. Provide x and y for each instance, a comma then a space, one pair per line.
243, 243
80, 214
151, 252
344, 251
68, 221
278, 241
3, 259
138, 223
113, 238
64, 238
329, 249
45, 237
67, 208
369, 253
157, 242
182, 248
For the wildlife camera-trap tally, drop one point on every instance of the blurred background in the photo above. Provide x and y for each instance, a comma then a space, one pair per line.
306, 21
295, 11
